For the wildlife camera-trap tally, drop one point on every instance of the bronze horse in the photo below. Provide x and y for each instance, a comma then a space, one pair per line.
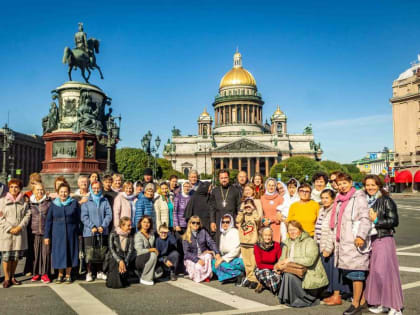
77, 58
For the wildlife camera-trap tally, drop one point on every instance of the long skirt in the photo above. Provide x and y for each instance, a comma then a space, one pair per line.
199, 273
292, 294
228, 270
383, 284
337, 281
269, 279
42, 256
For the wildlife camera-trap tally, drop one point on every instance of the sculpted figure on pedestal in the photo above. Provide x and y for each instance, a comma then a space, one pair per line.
49, 122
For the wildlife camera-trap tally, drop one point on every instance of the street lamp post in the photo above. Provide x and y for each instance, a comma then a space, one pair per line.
146, 144
8, 138
206, 149
112, 138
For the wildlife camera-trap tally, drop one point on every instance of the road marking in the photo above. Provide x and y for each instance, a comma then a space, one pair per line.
410, 269
80, 300
411, 285
408, 254
247, 311
408, 247
408, 208
216, 295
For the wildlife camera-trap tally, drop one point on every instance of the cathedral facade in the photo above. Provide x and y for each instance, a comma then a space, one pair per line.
237, 137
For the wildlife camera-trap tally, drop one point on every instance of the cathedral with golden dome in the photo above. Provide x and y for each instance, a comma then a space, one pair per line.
239, 139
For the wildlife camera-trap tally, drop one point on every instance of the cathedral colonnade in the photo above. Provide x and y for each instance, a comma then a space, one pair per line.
251, 165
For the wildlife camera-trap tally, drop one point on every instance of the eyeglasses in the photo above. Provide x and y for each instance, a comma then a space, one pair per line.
305, 191
163, 233
225, 222
195, 222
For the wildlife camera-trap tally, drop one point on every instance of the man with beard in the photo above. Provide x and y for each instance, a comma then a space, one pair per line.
224, 199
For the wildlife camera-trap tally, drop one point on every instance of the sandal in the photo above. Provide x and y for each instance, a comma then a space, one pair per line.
68, 280
59, 280
16, 282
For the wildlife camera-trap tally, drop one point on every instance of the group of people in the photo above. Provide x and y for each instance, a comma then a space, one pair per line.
302, 242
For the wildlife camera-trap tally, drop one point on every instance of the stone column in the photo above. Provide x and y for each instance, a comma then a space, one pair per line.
257, 165
249, 167
215, 117
230, 164
267, 171
242, 113
221, 164
240, 164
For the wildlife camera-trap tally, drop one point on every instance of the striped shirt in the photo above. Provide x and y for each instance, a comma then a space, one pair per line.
318, 225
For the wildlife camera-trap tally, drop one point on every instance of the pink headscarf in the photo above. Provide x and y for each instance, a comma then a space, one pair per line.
344, 199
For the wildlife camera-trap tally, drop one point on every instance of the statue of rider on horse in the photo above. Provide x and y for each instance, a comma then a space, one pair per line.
83, 55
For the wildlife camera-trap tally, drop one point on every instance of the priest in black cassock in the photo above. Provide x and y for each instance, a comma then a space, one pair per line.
223, 199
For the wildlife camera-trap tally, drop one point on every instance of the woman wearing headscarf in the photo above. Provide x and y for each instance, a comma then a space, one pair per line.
199, 250
283, 209
383, 292
270, 201
180, 204
229, 266
267, 252
164, 207
199, 205
292, 189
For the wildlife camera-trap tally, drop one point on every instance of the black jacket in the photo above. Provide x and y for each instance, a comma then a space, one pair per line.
116, 251
386, 209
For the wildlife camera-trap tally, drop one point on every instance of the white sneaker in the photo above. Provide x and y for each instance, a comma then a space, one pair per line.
89, 277
394, 312
101, 275
145, 282
378, 309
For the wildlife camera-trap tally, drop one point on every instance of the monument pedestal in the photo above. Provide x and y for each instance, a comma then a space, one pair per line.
75, 134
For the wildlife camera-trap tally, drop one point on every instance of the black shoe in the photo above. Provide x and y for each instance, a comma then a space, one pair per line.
352, 310
173, 276
245, 283
253, 285
364, 306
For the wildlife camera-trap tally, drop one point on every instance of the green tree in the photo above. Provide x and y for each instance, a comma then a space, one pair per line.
131, 162
232, 176
332, 166
165, 170
298, 167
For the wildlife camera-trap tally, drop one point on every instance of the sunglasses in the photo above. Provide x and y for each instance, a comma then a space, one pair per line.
225, 222
195, 222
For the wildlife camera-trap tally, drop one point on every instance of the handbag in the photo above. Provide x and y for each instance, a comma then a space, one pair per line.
96, 254
296, 269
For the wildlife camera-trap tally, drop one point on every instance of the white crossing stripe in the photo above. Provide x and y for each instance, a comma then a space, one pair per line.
217, 295
411, 285
408, 254
410, 269
80, 300
408, 208
243, 311
408, 247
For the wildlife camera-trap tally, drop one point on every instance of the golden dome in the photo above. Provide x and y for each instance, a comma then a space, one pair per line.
278, 111
204, 113
237, 75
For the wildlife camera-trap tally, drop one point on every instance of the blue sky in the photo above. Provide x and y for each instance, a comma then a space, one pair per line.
329, 63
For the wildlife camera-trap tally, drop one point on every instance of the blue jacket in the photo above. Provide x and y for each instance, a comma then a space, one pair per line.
94, 216
203, 240
166, 246
144, 206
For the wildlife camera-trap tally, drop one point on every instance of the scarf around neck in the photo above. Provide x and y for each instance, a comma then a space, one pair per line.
57, 201
18, 198
96, 197
372, 199
35, 201
344, 200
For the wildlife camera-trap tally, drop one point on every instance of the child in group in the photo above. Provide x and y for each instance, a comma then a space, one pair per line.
168, 258
248, 220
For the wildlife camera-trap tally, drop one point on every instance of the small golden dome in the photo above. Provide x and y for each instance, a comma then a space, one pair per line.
278, 111
204, 113
237, 75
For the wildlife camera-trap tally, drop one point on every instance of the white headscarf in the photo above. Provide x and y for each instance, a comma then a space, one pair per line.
265, 186
295, 197
231, 225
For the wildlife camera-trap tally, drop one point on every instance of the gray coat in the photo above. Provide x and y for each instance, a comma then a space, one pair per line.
13, 214
142, 244
347, 255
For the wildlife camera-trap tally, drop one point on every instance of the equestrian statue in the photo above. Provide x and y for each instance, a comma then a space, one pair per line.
83, 55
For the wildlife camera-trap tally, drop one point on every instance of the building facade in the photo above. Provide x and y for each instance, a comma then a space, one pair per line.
24, 156
376, 164
239, 138
406, 122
